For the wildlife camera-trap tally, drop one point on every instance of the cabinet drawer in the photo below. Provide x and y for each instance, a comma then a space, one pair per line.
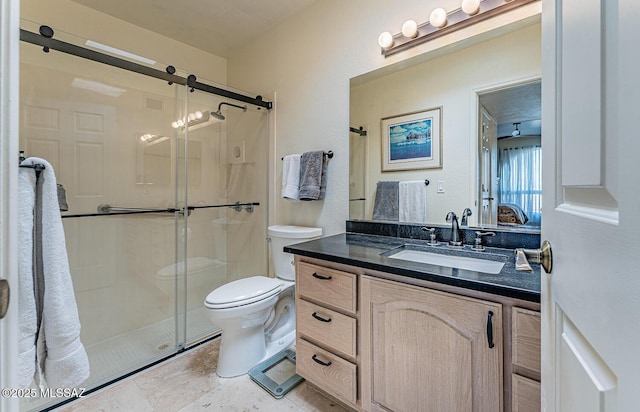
525, 394
338, 378
526, 339
333, 329
331, 287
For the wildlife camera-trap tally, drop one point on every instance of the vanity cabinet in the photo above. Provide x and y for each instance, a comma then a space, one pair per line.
326, 344
425, 350
525, 353
382, 342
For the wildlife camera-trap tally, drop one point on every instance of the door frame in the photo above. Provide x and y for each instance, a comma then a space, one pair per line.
9, 124
474, 142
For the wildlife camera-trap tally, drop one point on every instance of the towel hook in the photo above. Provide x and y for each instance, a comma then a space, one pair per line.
426, 182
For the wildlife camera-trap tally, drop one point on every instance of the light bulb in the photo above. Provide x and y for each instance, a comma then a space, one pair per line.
175, 125
180, 123
438, 18
470, 7
410, 29
385, 40
198, 114
192, 117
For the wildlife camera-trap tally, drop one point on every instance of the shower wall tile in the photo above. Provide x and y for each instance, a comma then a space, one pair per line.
89, 169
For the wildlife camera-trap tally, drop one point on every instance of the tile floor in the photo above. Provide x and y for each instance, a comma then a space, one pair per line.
188, 383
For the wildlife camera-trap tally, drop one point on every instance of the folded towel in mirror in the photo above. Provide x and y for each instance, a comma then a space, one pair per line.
413, 201
386, 203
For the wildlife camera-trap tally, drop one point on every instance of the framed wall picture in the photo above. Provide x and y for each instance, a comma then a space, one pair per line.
412, 141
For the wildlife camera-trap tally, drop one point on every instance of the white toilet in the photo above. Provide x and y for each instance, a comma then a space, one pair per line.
257, 314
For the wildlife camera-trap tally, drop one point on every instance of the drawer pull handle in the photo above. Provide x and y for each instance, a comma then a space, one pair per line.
490, 330
315, 275
319, 362
321, 319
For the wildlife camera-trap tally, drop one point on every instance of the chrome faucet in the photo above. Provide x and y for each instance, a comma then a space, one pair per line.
465, 213
432, 235
477, 243
457, 238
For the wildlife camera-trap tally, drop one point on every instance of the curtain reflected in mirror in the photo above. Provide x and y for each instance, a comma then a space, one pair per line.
520, 185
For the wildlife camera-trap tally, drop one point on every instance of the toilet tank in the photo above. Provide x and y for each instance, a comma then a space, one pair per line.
282, 236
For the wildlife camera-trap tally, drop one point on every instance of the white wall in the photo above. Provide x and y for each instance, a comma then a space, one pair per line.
449, 81
308, 61
65, 16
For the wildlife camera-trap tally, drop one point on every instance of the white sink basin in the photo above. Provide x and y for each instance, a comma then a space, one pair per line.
458, 262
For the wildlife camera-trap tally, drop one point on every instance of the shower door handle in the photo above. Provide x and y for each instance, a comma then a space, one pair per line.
4, 297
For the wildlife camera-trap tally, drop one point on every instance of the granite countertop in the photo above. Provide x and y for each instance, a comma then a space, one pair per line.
368, 252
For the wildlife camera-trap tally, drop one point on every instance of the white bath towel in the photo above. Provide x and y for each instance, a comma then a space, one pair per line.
65, 364
291, 177
413, 201
26, 299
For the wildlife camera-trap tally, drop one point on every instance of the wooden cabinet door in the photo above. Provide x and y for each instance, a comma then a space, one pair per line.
428, 350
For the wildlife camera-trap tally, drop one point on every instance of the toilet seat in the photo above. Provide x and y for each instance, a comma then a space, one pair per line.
243, 292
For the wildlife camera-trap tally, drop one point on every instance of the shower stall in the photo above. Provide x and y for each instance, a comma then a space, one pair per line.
167, 190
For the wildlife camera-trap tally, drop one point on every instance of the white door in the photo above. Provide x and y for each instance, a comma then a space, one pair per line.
9, 68
591, 205
488, 169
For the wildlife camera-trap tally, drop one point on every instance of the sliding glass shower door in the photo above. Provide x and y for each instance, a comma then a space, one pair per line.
226, 184
166, 202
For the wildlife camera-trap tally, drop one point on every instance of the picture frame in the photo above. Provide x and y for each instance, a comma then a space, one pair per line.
412, 141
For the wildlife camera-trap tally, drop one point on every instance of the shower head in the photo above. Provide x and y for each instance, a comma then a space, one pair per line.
219, 115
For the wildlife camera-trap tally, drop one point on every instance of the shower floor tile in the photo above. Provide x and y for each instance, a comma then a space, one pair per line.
127, 352
137, 348
188, 383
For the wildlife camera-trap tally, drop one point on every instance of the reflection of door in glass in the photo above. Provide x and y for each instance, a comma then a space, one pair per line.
357, 172
488, 169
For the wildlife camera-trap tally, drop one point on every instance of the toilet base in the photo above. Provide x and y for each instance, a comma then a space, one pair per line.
280, 344
245, 348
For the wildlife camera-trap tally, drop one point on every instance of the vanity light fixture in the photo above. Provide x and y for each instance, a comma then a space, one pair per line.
385, 40
192, 119
438, 18
441, 23
470, 7
151, 139
409, 29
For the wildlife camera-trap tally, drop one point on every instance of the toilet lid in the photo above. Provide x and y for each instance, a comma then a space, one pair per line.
243, 292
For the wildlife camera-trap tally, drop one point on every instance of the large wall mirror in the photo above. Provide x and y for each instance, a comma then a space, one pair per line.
488, 96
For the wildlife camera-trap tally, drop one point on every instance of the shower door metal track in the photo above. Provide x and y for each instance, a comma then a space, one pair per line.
191, 81
114, 211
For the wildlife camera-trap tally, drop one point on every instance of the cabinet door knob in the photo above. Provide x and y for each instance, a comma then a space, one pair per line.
318, 361
321, 319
